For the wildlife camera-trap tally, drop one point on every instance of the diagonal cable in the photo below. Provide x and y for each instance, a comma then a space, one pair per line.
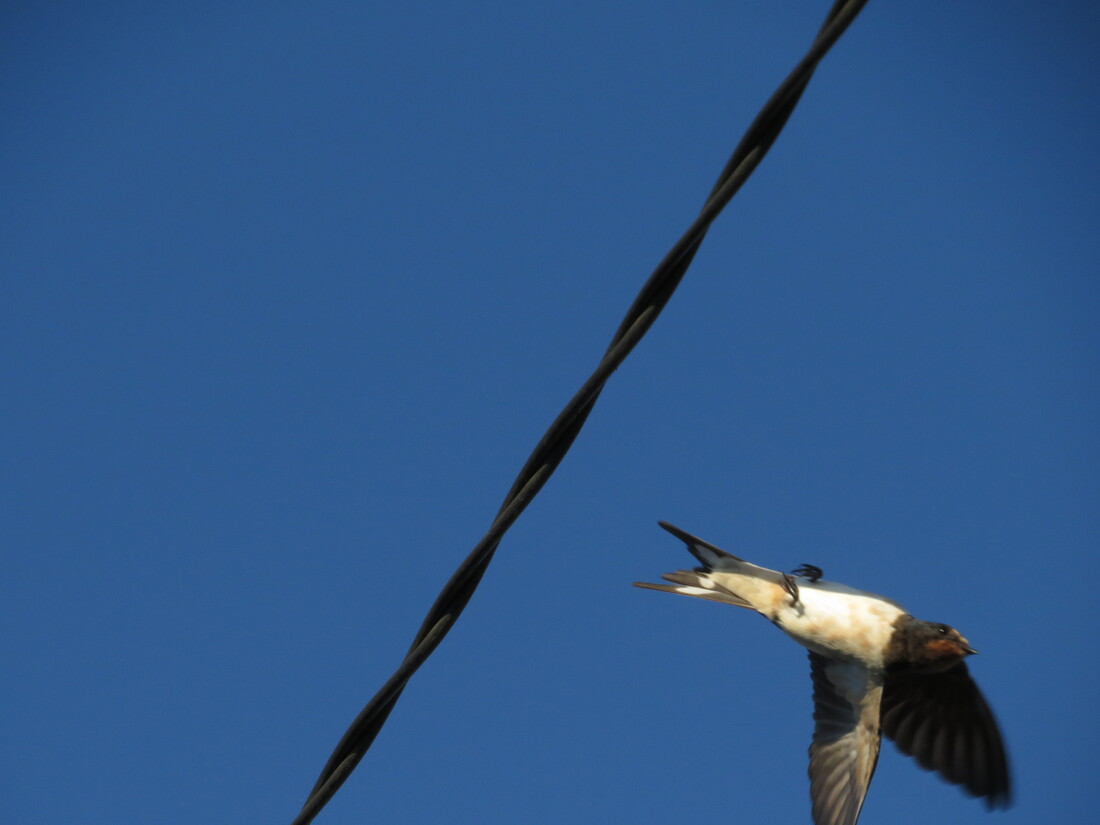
556, 441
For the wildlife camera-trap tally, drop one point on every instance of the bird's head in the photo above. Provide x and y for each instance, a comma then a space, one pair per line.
936, 646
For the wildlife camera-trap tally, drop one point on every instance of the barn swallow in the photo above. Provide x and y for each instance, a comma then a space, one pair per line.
875, 670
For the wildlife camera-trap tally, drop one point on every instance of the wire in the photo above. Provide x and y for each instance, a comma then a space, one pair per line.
555, 443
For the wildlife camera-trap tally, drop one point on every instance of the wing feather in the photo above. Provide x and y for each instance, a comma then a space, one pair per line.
943, 722
846, 739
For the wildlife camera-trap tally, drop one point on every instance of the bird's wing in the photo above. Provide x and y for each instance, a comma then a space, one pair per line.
846, 738
942, 720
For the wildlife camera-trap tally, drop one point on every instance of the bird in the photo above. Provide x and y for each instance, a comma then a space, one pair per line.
875, 670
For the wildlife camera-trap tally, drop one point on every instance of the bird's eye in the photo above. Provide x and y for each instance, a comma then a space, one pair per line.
941, 629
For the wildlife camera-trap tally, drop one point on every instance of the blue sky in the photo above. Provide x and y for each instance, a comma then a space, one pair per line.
289, 291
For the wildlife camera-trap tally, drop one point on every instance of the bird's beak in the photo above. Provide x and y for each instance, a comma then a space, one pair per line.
967, 649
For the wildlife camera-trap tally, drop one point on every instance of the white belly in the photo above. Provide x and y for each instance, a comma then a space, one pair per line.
833, 620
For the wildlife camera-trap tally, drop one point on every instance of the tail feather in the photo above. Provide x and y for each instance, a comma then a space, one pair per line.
699, 585
707, 553
723, 577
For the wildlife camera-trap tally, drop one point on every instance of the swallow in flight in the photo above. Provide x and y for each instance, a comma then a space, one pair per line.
875, 670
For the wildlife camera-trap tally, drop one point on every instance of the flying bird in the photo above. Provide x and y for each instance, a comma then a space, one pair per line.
875, 670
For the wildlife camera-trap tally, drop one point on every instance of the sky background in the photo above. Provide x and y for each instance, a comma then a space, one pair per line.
288, 292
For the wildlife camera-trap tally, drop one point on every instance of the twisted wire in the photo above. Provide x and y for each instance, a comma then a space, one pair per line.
557, 439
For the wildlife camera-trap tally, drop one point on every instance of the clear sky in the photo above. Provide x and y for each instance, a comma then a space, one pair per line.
288, 291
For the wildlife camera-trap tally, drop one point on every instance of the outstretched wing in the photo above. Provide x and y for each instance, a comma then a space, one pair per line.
846, 739
942, 720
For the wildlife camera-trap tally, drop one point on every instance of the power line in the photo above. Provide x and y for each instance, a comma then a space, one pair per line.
556, 441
